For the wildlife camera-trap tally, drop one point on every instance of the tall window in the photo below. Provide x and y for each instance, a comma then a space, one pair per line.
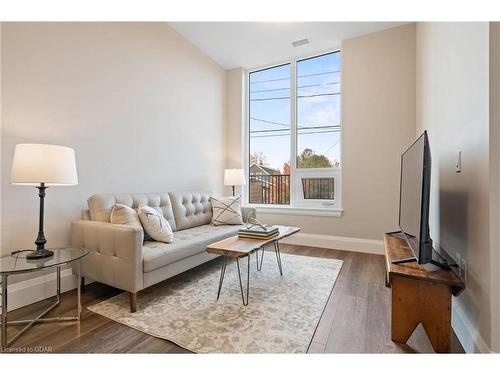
269, 109
318, 111
295, 133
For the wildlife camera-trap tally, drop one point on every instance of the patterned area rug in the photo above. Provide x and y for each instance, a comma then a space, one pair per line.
281, 317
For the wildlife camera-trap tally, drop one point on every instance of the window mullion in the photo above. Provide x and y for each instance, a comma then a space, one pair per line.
293, 130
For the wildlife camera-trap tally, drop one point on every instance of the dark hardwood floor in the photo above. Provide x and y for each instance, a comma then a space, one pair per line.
356, 318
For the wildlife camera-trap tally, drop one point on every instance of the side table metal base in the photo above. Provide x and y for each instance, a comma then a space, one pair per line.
5, 343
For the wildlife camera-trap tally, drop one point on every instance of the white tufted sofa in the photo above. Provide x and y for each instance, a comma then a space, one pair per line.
118, 256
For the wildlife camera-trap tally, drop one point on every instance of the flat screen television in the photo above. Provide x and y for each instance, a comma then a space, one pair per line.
415, 185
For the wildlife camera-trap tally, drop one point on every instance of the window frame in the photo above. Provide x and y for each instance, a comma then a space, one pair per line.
300, 201
298, 205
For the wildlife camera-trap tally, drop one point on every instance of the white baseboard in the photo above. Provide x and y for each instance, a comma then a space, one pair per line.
466, 331
39, 288
335, 242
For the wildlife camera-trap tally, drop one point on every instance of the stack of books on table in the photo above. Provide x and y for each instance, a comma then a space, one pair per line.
258, 232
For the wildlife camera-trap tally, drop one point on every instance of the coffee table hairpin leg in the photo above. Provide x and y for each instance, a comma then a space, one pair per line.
259, 264
245, 296
278, 256
222, 273
245, 301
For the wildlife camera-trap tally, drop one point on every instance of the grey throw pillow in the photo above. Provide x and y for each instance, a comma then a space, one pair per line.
226, 210
121, 214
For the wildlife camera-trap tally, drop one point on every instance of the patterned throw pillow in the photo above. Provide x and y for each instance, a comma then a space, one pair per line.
226, 210
155, 224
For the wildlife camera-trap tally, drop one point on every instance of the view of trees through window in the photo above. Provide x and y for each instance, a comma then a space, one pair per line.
318, 111
317, 126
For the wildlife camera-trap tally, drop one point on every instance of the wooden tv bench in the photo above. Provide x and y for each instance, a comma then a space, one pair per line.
420, 294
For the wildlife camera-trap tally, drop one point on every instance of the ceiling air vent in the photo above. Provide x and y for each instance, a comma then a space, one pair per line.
300, 42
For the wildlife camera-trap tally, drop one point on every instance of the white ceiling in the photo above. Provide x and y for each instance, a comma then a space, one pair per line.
253, 44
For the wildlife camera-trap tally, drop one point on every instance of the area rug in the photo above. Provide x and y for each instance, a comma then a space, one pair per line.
281, 317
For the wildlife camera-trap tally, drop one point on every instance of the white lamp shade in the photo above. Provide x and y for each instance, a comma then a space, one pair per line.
37, 163
234, 177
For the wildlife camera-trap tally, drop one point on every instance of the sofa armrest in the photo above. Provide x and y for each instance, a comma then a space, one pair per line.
115, 253
245, 211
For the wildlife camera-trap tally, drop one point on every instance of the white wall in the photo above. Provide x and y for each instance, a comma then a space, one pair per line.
453, 105
495, 182
142, 107
235, 112
378, 119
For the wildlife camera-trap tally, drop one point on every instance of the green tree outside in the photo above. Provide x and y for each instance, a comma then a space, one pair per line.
308, 159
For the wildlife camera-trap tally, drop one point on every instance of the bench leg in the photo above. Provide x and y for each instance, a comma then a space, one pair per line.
133, 302
417, 301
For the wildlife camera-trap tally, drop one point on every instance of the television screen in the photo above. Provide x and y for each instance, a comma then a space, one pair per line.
414, 198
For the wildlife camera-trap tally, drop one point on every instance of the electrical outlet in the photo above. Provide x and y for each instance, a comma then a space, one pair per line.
458, 164
463, 269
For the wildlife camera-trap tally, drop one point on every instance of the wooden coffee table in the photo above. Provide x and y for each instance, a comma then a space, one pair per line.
235, 247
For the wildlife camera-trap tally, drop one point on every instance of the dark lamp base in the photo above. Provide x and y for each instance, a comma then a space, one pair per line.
39, 254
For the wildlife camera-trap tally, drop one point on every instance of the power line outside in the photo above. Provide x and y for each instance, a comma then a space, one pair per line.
298, 96
299, 87
299, 128
287, 135
302, 76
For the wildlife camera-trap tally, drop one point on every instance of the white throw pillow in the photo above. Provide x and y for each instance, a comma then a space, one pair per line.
121, 214
155, 224
226, 210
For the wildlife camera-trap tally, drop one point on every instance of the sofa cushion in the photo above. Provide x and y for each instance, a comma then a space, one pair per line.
186, 243
100, 205
191, 209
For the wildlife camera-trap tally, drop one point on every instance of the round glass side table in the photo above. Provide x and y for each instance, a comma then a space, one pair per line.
17, 264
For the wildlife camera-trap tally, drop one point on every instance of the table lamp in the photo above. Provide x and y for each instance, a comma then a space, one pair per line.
43, 166
234, 177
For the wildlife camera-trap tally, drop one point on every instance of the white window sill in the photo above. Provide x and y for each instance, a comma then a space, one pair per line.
299, 211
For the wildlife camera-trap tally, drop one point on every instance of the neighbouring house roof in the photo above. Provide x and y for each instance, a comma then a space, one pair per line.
266, 170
